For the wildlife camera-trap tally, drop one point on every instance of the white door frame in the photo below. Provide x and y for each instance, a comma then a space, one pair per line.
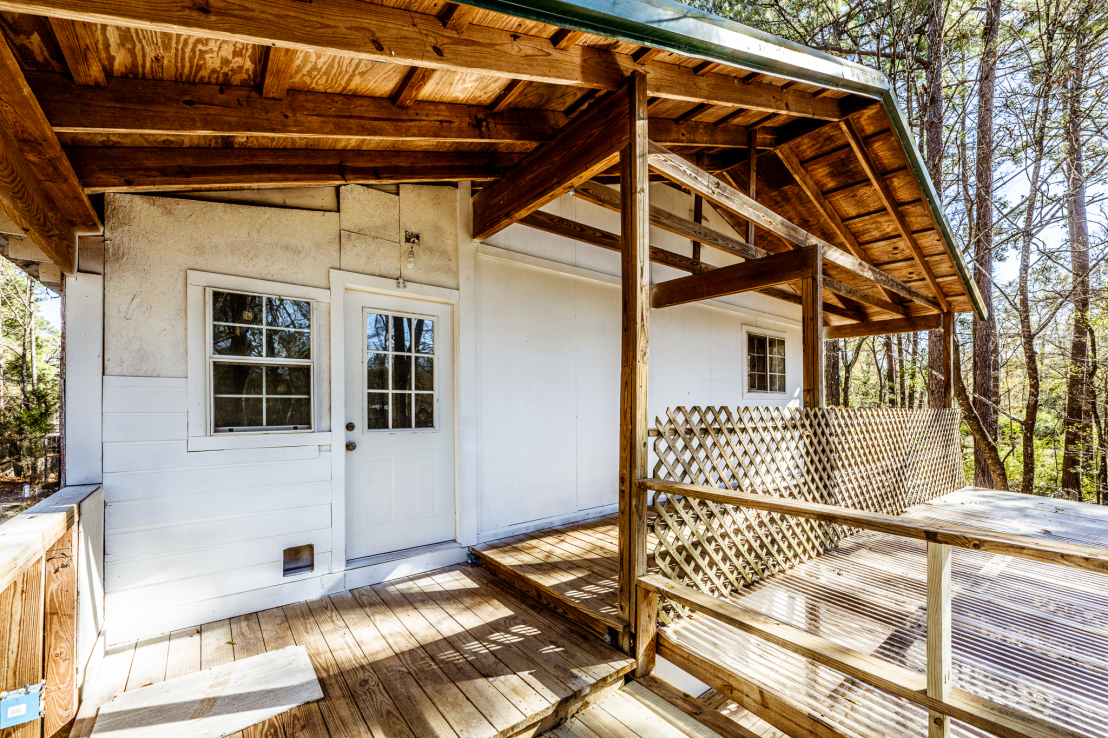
464, 399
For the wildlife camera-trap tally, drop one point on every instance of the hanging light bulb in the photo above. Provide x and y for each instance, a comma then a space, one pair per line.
412, 239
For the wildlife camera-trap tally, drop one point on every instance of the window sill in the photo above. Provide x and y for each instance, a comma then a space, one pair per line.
231, 441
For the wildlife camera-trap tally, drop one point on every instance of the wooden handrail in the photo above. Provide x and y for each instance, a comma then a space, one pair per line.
910, 685
1036, 549
25, 538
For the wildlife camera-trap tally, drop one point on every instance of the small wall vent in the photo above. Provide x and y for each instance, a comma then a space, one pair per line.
299, 560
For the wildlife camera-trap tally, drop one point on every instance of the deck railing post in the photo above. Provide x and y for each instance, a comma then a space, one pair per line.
635, 268
938, 635
646, 631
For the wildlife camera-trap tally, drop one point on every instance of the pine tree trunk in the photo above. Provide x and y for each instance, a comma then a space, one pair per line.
984, 331
1077, 394
831, 372
933, 129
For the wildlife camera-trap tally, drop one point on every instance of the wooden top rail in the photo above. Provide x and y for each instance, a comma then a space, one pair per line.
25, 538
960, 705
1036, 549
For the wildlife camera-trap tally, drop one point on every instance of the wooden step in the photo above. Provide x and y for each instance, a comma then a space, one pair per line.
649, 708
564, 570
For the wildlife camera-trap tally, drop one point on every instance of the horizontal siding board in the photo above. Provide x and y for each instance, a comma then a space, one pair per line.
183, 591
161, 540
214, 505
126, 626
123, 427
146, 485
161, 396
151, 455
144, 572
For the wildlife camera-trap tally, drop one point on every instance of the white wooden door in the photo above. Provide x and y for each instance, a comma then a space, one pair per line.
399, 429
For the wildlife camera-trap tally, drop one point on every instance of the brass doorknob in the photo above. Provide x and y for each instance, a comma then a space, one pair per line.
349, 426
350, 445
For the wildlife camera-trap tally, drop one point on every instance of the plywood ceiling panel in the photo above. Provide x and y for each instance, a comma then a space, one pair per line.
33, 42
344, 75
141, 54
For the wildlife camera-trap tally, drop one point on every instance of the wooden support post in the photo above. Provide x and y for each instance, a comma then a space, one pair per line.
698, 218
938, 635
948, 359
635, 266
646, 631
811, 305
752, 177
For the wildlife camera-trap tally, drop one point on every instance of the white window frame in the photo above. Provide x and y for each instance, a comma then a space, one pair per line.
201, 433
748, 393
366, 430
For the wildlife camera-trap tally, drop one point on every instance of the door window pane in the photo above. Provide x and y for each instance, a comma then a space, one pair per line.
401, 335
424, 410
376, 332
377, 371
424, 336
378, 414
424, 373
401, 410
401, 372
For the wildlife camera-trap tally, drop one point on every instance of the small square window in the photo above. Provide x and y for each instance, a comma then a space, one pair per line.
260, 363
765, 363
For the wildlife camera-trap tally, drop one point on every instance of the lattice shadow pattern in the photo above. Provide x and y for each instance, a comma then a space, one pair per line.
875, 459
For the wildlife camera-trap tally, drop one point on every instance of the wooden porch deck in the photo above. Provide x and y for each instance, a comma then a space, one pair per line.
452, 654
1026, 634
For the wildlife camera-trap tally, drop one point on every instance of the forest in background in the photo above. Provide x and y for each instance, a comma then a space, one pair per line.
30, 357
1009, 103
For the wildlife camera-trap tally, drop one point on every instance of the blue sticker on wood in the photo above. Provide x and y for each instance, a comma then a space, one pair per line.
21, 705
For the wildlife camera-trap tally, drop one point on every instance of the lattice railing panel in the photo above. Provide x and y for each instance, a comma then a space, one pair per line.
881, 460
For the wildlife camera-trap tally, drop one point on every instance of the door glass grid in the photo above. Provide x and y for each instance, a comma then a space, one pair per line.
400, 372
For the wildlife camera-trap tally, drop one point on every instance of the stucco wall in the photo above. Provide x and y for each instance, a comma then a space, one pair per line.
152, 241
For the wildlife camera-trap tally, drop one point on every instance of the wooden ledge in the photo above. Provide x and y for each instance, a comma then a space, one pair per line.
25, 538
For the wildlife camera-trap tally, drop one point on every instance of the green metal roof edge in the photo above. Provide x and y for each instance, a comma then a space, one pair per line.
672, 26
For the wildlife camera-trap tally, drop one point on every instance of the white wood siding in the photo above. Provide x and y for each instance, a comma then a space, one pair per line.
548, 365
191, 533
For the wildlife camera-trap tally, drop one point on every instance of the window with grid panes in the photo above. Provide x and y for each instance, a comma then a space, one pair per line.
765, 363
400, 372
260, 363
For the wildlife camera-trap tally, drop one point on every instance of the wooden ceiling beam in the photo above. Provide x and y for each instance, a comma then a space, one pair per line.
587, 145
353, 28
605, 197
564, 38
160, 169
26, 202
81, 55
930, 322
181, 108
509, 95
747, 276
456, 17
276, 71
413, 83
676, 169
39, 190
887, 198
812, 190
597, 237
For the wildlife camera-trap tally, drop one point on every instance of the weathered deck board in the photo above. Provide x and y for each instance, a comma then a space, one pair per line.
576, 568
439, 654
